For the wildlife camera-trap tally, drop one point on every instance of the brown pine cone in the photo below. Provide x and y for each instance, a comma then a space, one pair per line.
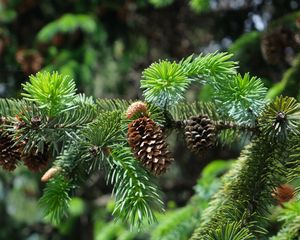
31, 61
10, 153
135, 108
149, 145
36, 161
200, 133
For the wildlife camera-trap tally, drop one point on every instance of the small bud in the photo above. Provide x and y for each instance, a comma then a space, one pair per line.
136, 107
94, 150
36, 121
284, 193
50, 174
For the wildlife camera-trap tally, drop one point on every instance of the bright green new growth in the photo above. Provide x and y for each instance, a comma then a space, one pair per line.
164, 83
52, 92
242, 97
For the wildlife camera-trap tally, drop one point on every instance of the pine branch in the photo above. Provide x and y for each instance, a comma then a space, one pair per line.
246, 194
89, 150
214, 67
280, 119
34, 128
241, 98
165, 83
185, 110
176, 225
291, 227
9, 108
136, 195
55, 200
228, 130
98, 137
53, 93
294, 167
86, 136
112, 104
232, 231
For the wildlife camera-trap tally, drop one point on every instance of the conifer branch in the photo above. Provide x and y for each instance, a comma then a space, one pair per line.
165, 83
176, 225
290, 215
232, 231
280, 118
85, 136
55, 200
289, 231
53, 93
246, 194
242, 98
136, 195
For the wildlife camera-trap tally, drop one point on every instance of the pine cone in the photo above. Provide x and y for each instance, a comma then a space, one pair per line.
36, 161
148, 144
136, 107
31, 60
200, 133
50, 173
273, 44
10, 153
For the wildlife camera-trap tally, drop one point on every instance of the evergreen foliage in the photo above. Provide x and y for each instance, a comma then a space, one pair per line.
55, 200
66, 24
136, 195
290, 216
53, 93
85, 136
178, 224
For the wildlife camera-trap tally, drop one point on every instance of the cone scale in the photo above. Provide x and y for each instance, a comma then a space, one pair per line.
148, 145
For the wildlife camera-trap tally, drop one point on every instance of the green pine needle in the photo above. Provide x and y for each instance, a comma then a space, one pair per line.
215, 67
105, 130
164, 83
137, 197
242, 98
231, 231
280, 118
52, 92
246, 194
55, 200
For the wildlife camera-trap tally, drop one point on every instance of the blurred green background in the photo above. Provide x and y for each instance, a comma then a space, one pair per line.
105, 45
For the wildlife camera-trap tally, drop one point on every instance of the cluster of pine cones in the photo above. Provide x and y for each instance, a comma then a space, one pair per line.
148, 141
12, 153
145, 137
